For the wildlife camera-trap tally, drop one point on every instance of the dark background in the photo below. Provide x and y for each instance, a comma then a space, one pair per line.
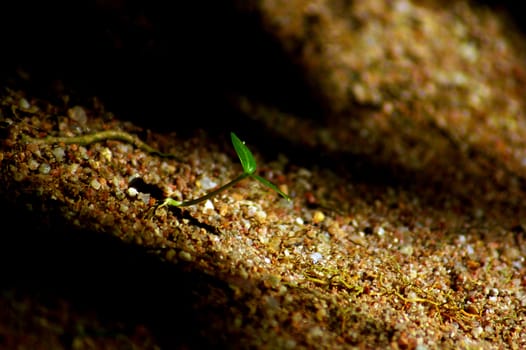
150, 62
156, 63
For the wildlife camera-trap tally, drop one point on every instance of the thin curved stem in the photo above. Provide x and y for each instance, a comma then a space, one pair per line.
116, 135
172, 202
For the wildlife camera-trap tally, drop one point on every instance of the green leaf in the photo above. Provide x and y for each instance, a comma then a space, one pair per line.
270, 185
248, 162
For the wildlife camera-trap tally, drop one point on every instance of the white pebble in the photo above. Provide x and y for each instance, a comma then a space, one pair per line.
316, 257
132, 192
208, 205
207, 184
59, 153
477, 331
261, 215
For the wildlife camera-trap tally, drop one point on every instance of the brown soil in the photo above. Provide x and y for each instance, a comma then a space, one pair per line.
402, 145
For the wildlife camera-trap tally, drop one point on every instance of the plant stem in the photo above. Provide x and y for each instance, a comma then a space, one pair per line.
117, 135
172, 202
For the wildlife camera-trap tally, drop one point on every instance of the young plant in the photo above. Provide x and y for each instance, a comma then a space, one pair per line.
248, 162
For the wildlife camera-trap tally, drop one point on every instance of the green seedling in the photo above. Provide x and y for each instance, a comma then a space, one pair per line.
248, 162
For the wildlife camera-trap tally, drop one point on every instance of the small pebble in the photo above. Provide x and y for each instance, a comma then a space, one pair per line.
185, 256
106, 154
44, 168
132, 192
318, 217
24, 104
316, 257
33, 164
123, 208
207, 184
59, 154
145, 197
477, 331
78, 114
208, 205
95, 184
170, 254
